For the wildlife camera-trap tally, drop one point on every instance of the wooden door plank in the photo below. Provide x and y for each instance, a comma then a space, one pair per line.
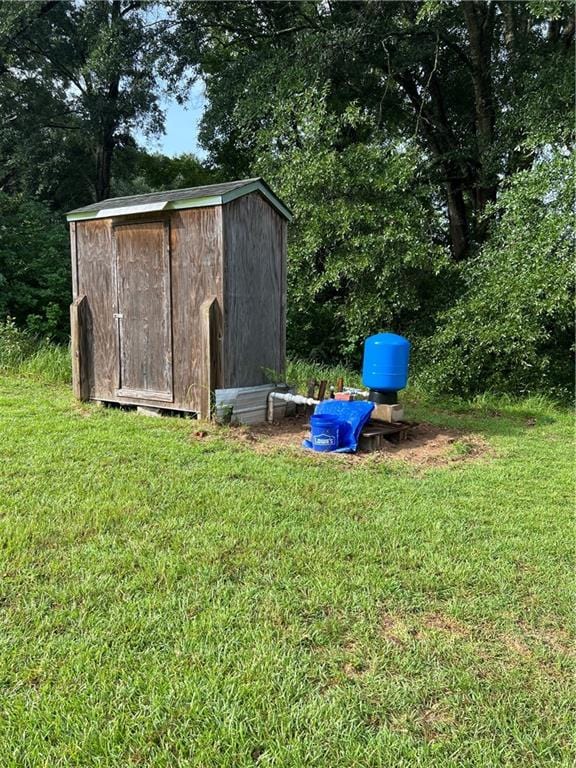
211, 327
95, 281
142, 260
78, 348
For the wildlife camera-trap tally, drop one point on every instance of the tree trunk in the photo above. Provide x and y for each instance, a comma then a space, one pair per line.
107, 142
104, 153
479, 17
458, 220
433, 121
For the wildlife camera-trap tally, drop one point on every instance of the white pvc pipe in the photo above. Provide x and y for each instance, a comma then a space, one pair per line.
289, 398
359, 392
300, 399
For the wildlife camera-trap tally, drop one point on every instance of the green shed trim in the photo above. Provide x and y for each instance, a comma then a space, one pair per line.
179, 199
195, 202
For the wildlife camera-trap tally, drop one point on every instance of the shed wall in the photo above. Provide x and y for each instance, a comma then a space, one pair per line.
196, 247
235, 254
196, 275
254, 292
95, 281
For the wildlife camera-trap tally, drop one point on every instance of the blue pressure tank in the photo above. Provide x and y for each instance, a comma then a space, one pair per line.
386, 357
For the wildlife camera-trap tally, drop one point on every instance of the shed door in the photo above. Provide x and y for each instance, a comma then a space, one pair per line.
142, 257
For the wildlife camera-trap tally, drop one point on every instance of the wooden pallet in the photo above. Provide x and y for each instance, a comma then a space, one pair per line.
375, 432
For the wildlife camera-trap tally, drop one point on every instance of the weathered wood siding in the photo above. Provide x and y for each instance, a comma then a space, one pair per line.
233, 255
95, 281
254, 292
196, 246
142, 259
195, 274
78, 346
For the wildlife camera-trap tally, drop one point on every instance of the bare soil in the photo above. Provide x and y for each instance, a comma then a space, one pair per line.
426, 443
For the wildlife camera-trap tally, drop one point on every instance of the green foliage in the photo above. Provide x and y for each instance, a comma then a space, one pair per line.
16, 345
35, 283
49, 363
300, 372
396, 131
401, 134
24, 354
137, 172
363, 251
512, 329
77, 80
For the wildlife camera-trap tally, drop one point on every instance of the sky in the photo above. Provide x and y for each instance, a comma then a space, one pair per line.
181, 126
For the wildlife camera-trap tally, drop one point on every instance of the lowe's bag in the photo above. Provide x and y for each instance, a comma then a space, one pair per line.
352, 416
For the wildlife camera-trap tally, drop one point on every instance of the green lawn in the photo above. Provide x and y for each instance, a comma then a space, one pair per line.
172, 600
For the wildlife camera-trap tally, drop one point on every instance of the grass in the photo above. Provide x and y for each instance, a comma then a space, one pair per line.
49, 363
174, 600
23, 354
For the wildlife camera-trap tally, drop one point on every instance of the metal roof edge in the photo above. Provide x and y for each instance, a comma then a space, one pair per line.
107, 213
168, 205
255, 185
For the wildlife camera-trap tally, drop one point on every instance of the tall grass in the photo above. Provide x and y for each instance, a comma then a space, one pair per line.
50, 362
23, 354
299, 373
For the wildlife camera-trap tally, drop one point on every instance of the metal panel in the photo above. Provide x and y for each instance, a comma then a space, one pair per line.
129, 210
243, 405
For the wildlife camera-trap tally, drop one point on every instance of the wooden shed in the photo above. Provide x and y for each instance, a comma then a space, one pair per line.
176, 294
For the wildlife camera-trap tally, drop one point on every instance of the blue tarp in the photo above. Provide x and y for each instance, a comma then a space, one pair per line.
353, 415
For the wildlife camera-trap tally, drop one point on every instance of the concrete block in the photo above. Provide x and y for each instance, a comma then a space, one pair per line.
388, 413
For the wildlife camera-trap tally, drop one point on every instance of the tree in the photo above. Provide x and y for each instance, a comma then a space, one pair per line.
34, 266
365, 248
457, 77
512, 328
137, 172
88, 72
402, 134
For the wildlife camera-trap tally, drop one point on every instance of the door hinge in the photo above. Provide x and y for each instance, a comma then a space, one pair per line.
117, 316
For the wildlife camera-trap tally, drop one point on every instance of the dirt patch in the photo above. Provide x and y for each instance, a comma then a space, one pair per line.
521, 645
440, 622
393, 629
516, 646
356, 666
559, 641
354, 670
434, 720
426, 445
399, 630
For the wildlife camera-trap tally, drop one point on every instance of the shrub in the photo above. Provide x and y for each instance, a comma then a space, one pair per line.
512, 329
34, 267
365, 252
15, 345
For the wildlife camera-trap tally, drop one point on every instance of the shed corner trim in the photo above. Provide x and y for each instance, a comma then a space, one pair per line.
258, 186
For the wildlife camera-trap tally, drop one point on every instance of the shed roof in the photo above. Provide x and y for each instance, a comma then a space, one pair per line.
174, 199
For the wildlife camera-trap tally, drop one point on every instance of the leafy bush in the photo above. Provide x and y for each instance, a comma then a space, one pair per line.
365, 251
512, 329
15, 345
34, 267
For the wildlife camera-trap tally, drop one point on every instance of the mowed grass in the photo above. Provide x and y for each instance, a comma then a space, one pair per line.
173, 600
